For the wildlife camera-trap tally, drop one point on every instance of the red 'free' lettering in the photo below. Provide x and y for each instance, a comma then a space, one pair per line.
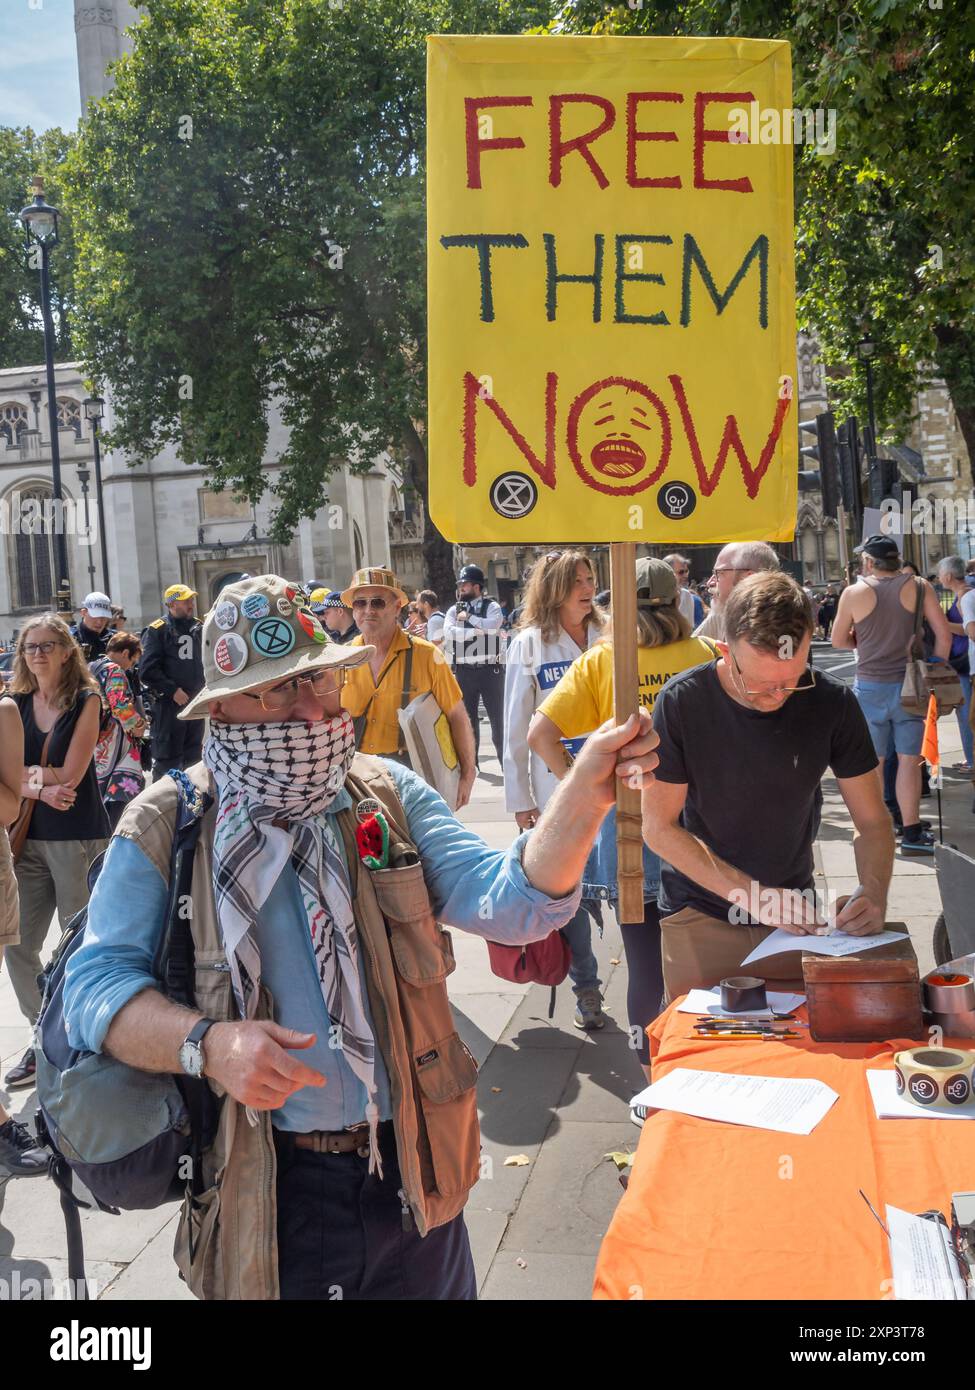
472, 105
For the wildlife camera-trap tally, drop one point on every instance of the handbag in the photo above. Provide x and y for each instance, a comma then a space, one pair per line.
18, 831
922, 679
543, 962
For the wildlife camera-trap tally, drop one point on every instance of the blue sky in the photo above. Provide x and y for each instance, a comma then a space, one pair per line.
38, 64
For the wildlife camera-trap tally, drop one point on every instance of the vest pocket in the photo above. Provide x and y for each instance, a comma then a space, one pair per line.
197, 1232
212, 987
446, 1074
422, 950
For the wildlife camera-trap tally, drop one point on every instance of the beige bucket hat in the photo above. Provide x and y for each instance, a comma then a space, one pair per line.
262, 630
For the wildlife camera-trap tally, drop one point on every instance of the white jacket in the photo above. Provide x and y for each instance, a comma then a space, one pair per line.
534, 668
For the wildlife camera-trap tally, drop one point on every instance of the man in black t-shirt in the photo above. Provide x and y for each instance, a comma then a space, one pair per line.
734, 806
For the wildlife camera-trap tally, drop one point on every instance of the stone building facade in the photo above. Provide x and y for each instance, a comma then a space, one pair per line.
163, 523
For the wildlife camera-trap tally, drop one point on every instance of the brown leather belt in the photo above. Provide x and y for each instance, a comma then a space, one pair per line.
342, 1141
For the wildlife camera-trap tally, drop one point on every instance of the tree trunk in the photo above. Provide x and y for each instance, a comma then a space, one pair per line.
438, 553
955, 362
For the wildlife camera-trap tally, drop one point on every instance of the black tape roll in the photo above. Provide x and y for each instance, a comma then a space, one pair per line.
742, 993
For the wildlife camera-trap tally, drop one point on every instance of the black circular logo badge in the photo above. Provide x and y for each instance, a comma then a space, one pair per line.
272, 637
513, 495
899, 1080
676, 500
957, 1089
923, 1089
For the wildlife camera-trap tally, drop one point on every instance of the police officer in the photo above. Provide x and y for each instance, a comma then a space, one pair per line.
172, 670
337, 620
474, 644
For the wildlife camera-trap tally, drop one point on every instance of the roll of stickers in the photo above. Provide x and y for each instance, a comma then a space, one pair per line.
949, 992
936, 1078
742, 993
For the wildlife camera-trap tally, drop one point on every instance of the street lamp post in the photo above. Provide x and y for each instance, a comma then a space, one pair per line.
866, 348
41, 225
94, 413
83, 476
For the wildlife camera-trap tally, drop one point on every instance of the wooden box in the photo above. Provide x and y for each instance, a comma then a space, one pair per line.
864, 998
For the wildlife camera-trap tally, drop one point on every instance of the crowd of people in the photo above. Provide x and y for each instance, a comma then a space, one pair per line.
285, 704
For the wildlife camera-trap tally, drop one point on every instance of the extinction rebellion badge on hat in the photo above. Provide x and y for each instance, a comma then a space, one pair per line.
259, 632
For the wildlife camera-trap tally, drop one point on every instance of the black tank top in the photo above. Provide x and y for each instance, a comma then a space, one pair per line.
86, 820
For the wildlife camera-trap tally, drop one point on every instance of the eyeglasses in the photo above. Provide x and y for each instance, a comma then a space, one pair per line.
729, 569
284, 696
774, 689
30, 648
376, 604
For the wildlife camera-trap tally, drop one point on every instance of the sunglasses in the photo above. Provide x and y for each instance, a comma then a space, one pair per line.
284, 696
376, 604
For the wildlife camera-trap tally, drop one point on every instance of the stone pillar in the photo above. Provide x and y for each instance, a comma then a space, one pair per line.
100, 37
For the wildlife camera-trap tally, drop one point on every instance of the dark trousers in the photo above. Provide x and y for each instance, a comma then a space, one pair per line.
644, 976
341, 1236
484, 683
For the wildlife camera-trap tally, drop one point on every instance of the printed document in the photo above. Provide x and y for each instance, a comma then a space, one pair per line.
839, 944
792, 1105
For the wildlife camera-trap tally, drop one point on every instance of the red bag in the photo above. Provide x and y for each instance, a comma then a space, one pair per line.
537, 963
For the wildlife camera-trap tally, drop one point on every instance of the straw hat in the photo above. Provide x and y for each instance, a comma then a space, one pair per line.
373, 579
261, 630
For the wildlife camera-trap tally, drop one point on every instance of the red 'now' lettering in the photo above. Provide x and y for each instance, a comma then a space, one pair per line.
544, 465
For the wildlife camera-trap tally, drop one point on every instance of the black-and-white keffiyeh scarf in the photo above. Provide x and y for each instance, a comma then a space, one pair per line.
293, 771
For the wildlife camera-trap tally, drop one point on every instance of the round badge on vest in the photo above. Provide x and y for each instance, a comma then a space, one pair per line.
225, 615
255, 606
272, 637
230, 654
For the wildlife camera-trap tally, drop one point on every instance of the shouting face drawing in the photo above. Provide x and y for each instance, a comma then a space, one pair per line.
619, 435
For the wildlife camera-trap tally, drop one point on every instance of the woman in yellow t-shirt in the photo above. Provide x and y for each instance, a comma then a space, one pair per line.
582, 700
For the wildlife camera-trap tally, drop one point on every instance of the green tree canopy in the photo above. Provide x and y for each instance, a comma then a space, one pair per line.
885, 227
249, 209
22, 155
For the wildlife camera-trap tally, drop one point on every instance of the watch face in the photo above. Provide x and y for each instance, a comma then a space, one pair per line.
191, 1059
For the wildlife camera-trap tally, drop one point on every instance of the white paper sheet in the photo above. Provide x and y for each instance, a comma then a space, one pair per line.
839, 944
890, 1106
708, 1001
790, 1105
922, 1260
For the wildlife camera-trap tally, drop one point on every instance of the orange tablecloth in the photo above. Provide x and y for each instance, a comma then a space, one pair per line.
719, 1211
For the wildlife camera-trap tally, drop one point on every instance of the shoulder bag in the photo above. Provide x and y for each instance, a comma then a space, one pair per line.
922, 679
18, 831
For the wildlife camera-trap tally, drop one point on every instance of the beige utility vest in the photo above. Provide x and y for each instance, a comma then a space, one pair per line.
226, 1244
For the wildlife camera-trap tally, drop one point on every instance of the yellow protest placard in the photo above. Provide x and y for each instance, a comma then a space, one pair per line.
611, 289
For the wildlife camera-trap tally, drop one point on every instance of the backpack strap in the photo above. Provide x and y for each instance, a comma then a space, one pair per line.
176, 961
915, 650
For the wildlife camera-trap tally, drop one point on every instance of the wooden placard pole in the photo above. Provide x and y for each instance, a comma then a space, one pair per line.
629, 829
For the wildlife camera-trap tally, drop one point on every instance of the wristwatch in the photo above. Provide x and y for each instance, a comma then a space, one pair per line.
191, 1055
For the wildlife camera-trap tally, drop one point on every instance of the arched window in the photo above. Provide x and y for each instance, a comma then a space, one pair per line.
13, 422
32, 551
69, 414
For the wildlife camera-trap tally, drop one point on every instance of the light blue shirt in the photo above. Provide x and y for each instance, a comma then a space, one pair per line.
472, 888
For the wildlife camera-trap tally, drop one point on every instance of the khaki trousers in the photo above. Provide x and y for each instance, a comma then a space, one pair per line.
700, 951
51, 874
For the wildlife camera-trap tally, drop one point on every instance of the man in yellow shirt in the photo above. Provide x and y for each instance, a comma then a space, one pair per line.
400, 669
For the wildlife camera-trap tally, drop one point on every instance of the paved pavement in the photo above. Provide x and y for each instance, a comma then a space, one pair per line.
547, 1092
